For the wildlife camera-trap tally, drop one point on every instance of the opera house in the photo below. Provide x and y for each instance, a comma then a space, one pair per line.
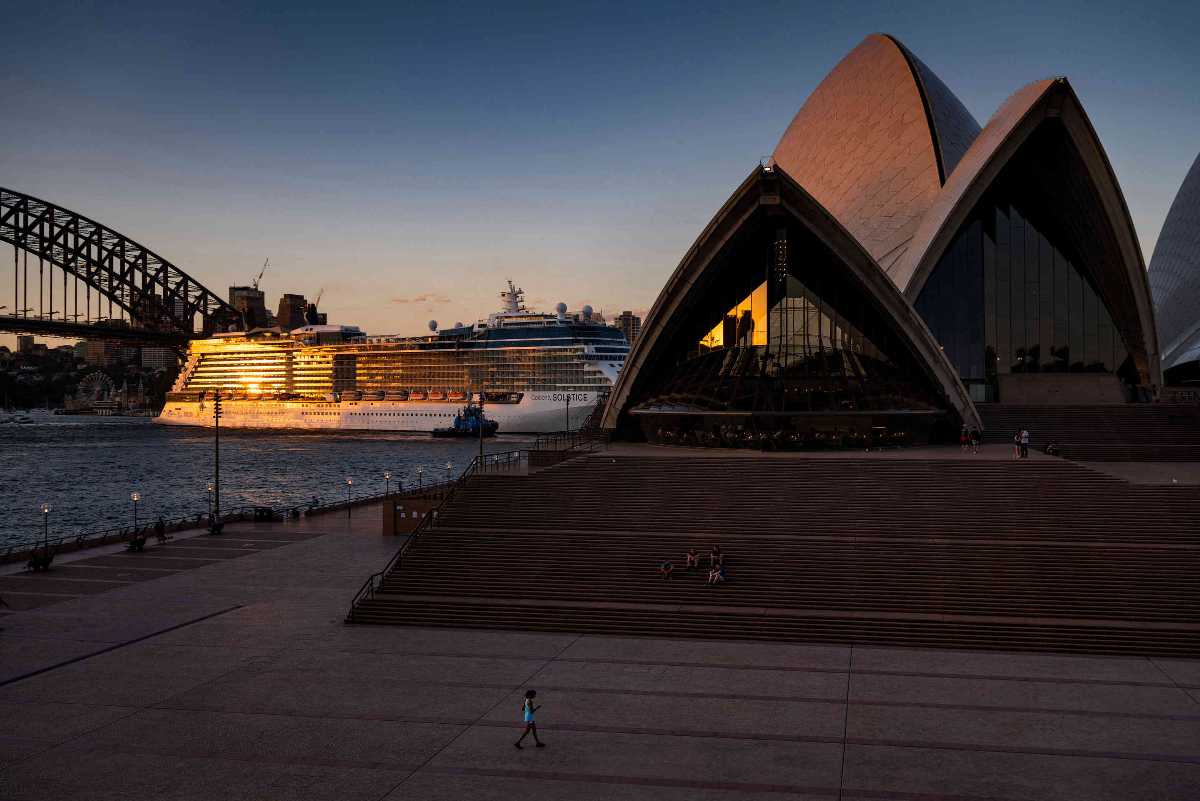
894, 265
1175, 282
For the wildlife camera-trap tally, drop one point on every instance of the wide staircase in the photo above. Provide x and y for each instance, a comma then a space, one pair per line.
1040, 554
1123, 432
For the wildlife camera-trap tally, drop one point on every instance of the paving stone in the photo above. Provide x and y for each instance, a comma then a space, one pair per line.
699, 759
1025, 694
1026, 731
727, 717
1007, 665
746, 654
307, 693
432, 785
103, 774
677, 679
873, 772
277, 739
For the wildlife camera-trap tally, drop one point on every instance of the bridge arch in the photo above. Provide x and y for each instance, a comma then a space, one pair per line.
157, 295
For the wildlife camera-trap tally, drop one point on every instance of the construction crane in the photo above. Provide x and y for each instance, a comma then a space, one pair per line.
260, 273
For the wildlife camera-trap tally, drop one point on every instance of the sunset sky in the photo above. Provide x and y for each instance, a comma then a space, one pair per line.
410, 157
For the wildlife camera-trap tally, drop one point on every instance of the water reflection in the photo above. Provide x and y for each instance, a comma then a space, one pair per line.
86, 469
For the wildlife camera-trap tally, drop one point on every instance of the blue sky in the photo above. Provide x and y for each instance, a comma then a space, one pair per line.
409, 157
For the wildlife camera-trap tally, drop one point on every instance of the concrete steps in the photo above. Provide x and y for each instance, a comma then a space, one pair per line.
1039, 554
1125, 432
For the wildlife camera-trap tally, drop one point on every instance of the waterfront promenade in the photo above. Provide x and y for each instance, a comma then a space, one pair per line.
237, 679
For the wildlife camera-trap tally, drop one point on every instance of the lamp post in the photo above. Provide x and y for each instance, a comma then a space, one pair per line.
210, 489
135, 497
46, 527
215, 512
449, 467
420, 475
349, 485
387, 482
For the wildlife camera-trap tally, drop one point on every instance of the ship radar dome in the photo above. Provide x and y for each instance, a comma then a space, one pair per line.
433, 325
458, 325
587, 312
561, 308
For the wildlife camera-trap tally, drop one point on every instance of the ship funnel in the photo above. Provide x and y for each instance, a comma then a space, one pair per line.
433, 325
587, 312
561, 308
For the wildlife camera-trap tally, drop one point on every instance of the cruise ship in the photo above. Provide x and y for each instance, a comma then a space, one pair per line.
535, 372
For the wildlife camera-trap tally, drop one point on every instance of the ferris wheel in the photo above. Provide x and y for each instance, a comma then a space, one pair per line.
96, 387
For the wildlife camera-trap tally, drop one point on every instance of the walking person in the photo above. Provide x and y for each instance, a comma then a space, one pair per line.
1024, 443
976, 438
1017, 445
160, 530
964, 439
527, 712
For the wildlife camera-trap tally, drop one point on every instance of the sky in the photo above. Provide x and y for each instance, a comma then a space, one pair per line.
407, 158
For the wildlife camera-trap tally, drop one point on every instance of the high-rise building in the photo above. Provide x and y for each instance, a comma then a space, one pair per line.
158, 358
102, 352
291, 311
24, 343
630, 325
251, 302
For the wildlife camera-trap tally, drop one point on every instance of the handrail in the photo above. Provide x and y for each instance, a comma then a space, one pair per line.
576, 439
114, 534
479, 464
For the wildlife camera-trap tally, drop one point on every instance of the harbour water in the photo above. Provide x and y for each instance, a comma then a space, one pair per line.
87, 467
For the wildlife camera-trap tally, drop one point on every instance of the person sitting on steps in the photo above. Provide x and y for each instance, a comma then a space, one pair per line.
693, 559
714, 556
666, 568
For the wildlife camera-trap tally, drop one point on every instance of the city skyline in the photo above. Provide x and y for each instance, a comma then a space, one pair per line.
408, 163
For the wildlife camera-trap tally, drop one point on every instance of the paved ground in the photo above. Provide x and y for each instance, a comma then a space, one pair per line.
236, 680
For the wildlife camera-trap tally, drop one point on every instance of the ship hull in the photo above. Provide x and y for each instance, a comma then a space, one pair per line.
535, 413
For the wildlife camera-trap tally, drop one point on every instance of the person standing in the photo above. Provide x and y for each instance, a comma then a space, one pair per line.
1024, 443
527, 714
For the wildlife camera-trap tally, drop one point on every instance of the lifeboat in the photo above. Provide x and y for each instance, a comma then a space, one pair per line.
457, 396
397, 395
374, 394
352, 395
437, 396
417, 395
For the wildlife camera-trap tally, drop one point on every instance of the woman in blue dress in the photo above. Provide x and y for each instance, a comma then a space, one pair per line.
527, 710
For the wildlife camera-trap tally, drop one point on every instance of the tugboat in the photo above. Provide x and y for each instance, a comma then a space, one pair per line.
467, 424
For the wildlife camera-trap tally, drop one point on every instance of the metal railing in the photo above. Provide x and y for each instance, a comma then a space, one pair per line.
110, 535
571, 440
116, 534
501, 462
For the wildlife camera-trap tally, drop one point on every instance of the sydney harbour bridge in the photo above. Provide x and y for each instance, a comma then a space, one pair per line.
75, 277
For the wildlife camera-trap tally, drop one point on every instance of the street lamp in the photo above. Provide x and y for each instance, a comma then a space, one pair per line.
387, 482
46, 527
349, 484
420, 476
449, 467
135, 497
210, 489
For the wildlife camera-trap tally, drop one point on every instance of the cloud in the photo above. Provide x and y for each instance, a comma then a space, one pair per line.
428, 297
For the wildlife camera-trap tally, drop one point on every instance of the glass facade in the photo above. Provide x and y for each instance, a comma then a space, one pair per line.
1015, 292
784, 329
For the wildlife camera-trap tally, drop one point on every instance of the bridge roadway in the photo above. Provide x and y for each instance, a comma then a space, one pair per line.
237, 679
16, 324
